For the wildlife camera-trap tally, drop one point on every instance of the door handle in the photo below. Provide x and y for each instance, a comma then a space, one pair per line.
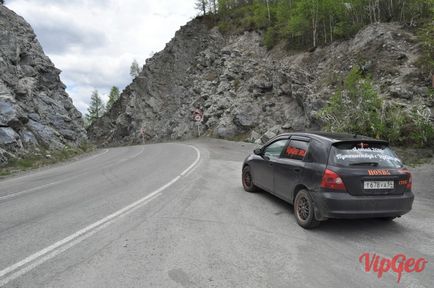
298, 170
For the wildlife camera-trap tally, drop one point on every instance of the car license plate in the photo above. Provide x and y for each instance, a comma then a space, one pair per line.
378, 185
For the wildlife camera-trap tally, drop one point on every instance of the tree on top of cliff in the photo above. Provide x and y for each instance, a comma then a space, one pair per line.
113, 97
135, 69
201, 5
309, 23
96, 107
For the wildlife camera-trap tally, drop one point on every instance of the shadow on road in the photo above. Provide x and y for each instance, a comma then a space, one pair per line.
344, 227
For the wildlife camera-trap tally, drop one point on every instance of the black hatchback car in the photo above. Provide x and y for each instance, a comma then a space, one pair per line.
326, 175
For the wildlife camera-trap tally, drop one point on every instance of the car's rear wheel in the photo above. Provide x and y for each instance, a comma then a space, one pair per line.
248, 180
304, 210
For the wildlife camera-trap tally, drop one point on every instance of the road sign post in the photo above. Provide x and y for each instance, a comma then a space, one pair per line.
198, 118
142, 134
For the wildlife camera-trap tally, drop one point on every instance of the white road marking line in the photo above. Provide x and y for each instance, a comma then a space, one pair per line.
9, 196
38, 172
90, 158
12, 195
16, 270
30, 190
129, 158
186, 171
51, 254
192, 166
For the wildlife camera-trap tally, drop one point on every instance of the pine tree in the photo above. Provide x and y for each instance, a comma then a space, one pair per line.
135, 69
201, 6
96, 107
113, 97
213, 6
86, 121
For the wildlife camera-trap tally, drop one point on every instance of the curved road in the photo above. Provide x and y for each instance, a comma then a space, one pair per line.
175, 215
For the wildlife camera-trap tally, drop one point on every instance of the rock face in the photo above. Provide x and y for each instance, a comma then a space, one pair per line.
35, 111
249, 93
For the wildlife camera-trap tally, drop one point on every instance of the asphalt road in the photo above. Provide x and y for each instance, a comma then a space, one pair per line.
175, 215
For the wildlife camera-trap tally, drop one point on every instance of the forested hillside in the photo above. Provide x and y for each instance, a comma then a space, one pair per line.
313, 22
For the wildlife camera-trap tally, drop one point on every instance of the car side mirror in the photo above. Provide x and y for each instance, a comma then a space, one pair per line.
258, 151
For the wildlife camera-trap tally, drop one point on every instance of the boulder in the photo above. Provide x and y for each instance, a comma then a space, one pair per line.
10, 139
5, 157
267, 136
225, 132
254, 136
244, 120
25, 87
28, 138
7, 112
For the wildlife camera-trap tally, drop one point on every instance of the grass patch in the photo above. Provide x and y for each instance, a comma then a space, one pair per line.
241, 137
43, 158
426, 37
414, 157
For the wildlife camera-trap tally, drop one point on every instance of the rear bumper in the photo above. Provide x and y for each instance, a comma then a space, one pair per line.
344, 205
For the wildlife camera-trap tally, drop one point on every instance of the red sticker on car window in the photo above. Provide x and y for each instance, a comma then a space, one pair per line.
292, 151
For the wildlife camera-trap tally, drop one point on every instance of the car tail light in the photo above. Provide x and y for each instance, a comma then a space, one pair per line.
409, 184
331, 180
409, 180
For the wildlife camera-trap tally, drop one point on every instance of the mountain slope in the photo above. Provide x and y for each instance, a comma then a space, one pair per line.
35, 111
249, 93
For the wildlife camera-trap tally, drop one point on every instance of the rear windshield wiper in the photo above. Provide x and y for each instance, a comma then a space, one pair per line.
364, 164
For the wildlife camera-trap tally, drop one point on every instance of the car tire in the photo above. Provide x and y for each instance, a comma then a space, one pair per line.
304, 210
247, 180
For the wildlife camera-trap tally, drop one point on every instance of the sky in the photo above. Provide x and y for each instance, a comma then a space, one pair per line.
94, 42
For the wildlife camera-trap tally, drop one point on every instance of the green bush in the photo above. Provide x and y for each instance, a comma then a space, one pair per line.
426, 36
358, 109
392, 122
420, 126
271, 38
86, 146
225, 27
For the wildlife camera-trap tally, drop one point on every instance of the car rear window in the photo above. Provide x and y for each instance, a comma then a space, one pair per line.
359, 154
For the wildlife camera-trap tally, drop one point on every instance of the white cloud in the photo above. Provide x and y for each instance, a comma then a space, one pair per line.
94, 42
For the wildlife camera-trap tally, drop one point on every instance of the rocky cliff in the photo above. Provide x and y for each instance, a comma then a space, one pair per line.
35, 111
249, 93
